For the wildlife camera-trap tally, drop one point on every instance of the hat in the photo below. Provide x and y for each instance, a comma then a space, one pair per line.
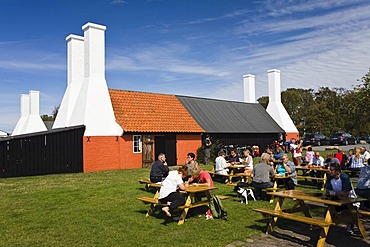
334, 161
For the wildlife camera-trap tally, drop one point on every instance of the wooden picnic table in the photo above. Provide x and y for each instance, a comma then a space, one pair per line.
190, 202
233, 174
300, 205
306, 173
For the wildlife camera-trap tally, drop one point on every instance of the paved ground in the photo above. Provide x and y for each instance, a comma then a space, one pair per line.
297, 234
345, 148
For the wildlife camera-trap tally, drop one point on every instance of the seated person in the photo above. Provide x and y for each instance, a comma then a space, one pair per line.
168, 193
342, 157
316, 160
248, 161
261, 175
339, 184
287, 167
191, 164
363, 186
357, 160
234, 158
221, 167
159, 170
200, 176
279, 153
309, 155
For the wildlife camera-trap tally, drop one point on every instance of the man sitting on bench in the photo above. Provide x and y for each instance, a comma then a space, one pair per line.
261, 175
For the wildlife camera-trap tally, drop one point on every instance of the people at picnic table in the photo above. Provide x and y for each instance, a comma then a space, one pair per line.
191, 163
309, 155
279, 153
221, 166
285, 168
261, 175
295, 149
317, 161
159, 170
363, 186
234, 158
342, 157
248, 161
357, 160
339, 184
168, 193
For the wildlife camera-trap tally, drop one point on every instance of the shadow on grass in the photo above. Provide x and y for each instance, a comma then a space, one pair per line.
303, 234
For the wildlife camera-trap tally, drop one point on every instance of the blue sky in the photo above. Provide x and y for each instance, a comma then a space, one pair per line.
198, 48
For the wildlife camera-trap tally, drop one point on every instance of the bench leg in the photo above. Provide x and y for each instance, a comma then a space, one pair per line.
186, 209
322, 237
150, 210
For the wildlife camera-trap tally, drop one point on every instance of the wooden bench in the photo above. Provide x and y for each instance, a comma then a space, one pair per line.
268, 213
364, 213
155, 202
149, 184
309, 177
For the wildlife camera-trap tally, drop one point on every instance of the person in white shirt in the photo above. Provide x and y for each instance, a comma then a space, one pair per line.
221, 167
296, 151
317, 160
168, 193
366, 155
248, 162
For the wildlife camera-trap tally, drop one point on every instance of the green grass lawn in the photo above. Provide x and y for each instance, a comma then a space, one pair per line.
100, 209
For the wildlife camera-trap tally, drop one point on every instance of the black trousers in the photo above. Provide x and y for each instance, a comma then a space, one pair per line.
155, 179
259, 186
176, 199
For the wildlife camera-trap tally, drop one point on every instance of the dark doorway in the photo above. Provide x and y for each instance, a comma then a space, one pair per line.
166, 144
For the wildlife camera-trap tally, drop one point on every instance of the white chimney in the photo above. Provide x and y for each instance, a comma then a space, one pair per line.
274, 85
30, 120
249, 89
93, 107
75, 76
25, 110
34, 121
275, 108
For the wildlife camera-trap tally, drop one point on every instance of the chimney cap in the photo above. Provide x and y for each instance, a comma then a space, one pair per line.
273, 70
93, 25
73, 36
249, 75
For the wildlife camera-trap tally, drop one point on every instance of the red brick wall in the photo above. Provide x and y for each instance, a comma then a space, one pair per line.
109, 153
112, 153
187, 144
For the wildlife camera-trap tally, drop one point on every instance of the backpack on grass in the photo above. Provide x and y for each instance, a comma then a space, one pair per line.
217, 209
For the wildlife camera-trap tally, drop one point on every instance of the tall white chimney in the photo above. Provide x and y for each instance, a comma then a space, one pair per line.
25, 110
75, 75
249, 89
93, 107
275, 108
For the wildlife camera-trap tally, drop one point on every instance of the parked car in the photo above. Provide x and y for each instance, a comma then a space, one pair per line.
315, 139
365, 138
342, 138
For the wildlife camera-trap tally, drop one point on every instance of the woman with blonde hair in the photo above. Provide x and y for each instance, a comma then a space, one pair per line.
357, 159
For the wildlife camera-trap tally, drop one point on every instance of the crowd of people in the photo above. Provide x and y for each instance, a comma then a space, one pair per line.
262, 174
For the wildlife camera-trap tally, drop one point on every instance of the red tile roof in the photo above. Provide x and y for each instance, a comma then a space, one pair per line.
151, 112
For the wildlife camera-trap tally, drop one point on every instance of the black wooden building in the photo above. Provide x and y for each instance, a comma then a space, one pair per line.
47, 152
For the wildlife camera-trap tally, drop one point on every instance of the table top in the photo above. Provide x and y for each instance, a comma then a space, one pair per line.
238, 166
194, 188
282, 176
315, 197
321, 168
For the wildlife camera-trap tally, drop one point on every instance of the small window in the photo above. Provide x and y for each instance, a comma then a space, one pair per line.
137, 144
